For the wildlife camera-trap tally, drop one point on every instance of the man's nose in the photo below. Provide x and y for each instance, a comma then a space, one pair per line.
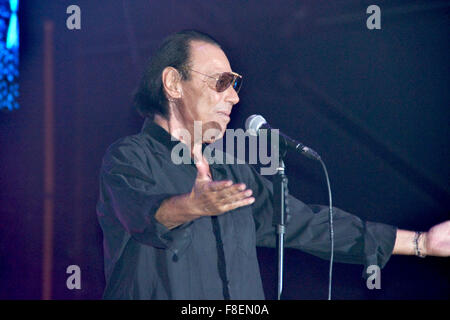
231, 95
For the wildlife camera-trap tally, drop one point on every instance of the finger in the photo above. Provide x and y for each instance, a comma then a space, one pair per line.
236, 197
230, 189
238, 204
217, 186
202, 171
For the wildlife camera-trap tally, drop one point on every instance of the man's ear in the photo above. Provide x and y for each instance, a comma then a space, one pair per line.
171, 79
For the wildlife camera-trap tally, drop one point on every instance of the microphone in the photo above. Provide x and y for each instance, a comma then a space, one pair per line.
256, 122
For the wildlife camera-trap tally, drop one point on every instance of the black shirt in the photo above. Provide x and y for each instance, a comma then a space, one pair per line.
210, 257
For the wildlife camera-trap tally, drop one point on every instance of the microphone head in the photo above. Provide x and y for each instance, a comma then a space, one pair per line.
254, 123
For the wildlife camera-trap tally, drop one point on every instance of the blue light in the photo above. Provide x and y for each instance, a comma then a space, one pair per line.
12, 39
14, 4
9, 54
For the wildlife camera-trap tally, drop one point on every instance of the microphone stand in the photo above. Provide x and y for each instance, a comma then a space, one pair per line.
280, 218
280, 197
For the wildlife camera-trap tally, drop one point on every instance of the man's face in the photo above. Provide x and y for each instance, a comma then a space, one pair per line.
199, 101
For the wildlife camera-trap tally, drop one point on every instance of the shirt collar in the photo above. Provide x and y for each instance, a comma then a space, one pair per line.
160, 134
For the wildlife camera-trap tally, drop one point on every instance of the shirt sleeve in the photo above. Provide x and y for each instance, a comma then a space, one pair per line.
355, 241
131, 196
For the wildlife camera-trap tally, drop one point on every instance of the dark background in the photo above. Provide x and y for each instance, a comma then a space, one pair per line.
373, 103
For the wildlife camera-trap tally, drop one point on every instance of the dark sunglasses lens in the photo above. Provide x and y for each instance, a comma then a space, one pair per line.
227, 79
224, 82
237, 84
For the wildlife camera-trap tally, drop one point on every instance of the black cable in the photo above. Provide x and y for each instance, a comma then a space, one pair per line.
330, 275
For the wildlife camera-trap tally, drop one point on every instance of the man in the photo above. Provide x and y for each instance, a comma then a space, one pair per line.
190, 231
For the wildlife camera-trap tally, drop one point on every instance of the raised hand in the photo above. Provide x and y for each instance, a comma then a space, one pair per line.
216, 197
207, 198
437, 241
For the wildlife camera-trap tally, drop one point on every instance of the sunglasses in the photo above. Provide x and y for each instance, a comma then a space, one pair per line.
223, 81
